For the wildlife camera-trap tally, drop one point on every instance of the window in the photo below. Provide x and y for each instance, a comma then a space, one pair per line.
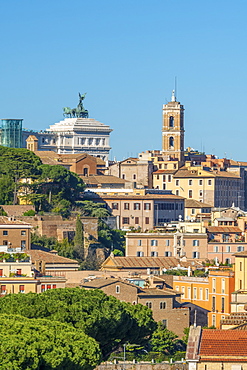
177, 182
23, 244
154, 243
164, 323
3, 289
209, 182
117, 289
21, 288
1, 272
85, 171
200, 182
154, 254
149, 304
18, 272
114, 205
177, 192
139, 254
169, 178
126, 220
146, 220
201, 294
136, 220
214, 320
123, 176
171, 121
167, 243
200, 193
190, 182
147, 206
240, 248
222, 304
228, 249
216, 249
54, 286
162, 305
190, 193
139, 243
213, 303
164, 186
195, 243
48, 286
195, 293
195, 255
223, 286
5, 242
42, 288
214, 285
240, 266
168, 254
189, 293
137, 206
126, 206
206, 298
171, 142
5, 232
23, 232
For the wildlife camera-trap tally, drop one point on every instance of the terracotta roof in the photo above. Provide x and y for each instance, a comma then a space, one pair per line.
101, 282
102, 179
99, 161
47, 257
216, 343
165, 172
159, 292
17, 210
239, 254
200, 173
192, 203
147, 262
224, 229
11, 221
144, 197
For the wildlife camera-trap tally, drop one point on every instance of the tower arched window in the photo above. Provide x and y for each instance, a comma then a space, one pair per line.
171, 142
171, 121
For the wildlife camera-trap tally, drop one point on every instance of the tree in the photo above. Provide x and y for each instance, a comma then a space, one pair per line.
106, 319
164, 340
79, 239
42, 344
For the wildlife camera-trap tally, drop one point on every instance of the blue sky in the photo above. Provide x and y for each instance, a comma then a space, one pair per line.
125, 55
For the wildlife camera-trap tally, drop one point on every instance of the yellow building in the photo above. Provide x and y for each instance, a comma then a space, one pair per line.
212, 293
215, 187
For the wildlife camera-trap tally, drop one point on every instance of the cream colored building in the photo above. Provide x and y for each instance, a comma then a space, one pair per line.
216, 188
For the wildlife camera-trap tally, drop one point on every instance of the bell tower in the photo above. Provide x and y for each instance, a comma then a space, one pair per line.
173, 129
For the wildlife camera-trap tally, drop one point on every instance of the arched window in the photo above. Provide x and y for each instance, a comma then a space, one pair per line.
171, 121
171, 142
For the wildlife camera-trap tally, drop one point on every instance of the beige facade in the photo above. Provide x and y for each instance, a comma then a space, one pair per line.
144, 211
216, 188
15, 233
191, 245
135, 170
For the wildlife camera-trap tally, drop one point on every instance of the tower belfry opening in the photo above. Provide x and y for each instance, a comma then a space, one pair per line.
173, 129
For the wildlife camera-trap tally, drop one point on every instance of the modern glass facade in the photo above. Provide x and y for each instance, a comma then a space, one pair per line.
11, 133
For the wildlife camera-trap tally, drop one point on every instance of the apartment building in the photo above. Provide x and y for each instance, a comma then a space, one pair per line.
212, 293
217, 188
167, 244
164, 303
146, 211
15, 233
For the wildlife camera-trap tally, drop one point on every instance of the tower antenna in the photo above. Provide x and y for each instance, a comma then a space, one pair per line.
175, 87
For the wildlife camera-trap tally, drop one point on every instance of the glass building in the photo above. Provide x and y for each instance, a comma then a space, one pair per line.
11, 133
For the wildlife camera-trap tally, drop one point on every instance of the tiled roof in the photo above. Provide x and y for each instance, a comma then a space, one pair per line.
102, 179
200, 173
164, 172
100, 282
11, 221
47, 257
147, 262
216, 343
224, 229
239, 254
17, 210
157, 292
144, 197
192, 203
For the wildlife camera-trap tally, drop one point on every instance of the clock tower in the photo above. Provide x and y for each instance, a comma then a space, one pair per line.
173, 130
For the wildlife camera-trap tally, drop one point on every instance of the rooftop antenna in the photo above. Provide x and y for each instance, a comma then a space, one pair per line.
195, 319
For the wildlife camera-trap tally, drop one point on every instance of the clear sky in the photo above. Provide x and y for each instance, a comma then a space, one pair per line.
125, 54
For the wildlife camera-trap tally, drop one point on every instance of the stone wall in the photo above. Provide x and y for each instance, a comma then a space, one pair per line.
144, 366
